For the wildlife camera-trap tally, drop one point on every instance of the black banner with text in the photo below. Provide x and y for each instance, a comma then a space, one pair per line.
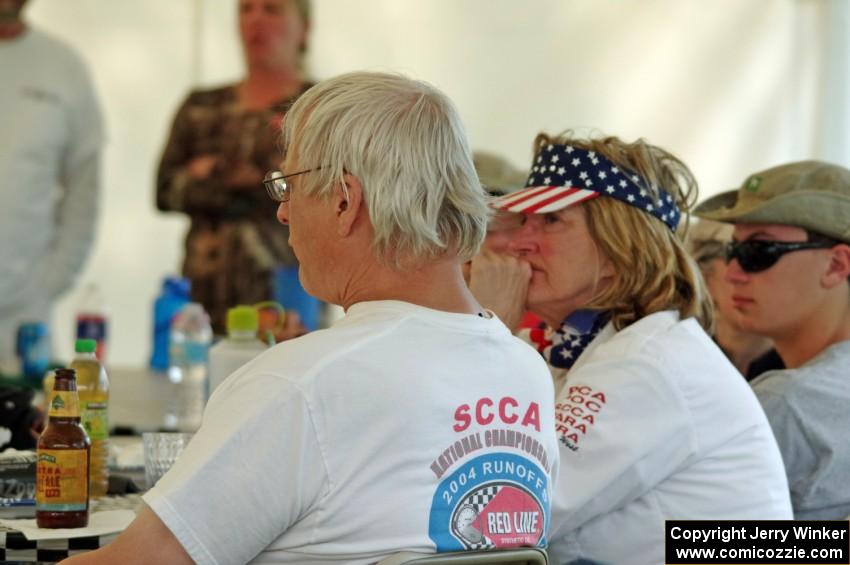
763, 542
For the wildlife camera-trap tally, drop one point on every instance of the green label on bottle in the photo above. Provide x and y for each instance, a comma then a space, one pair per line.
64, 404
96, 420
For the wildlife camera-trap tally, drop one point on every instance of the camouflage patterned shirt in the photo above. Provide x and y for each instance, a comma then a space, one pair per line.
234, 240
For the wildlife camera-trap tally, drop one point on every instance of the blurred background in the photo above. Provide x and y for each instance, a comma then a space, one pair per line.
729, 86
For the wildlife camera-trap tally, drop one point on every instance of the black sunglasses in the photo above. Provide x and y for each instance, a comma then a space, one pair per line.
756, 255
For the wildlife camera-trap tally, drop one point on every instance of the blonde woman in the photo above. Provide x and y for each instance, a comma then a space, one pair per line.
654, 422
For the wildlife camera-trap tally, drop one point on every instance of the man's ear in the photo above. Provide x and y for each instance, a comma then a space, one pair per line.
347, 203
839, 266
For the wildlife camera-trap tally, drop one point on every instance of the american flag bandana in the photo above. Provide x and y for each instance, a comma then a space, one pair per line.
564, 176
562, 347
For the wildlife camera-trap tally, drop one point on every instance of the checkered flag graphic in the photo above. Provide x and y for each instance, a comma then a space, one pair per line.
481, 498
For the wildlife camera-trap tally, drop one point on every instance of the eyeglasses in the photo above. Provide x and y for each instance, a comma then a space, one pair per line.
276, 185
756, 255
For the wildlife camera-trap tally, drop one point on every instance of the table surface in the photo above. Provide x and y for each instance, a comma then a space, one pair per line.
136, 402
137, 398
15, 547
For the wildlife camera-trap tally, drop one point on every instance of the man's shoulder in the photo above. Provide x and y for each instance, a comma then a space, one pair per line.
392, 345
38, 38
776, 382
52, 48
826, 372
302, 355
318, 349
291, 367
43, 49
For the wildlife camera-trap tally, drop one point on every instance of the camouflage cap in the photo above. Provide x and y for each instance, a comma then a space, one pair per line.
497, 175
809, 194
706, 240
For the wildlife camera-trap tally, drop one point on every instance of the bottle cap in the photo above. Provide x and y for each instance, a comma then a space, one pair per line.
65, 373
242, 319
177, 285
85, 346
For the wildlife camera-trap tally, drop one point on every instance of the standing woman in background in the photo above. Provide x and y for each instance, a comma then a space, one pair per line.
220, 146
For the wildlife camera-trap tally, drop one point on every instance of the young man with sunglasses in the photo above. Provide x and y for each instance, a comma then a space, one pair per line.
789, 263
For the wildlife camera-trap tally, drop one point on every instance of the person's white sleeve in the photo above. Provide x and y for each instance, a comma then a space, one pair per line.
253, 469
622, 429
79, 182
539, 339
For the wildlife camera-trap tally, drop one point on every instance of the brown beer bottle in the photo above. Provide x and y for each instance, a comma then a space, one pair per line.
64, 454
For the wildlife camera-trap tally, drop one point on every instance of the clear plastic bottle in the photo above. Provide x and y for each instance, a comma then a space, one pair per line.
191, 336
240, 346
93, 392
174, 295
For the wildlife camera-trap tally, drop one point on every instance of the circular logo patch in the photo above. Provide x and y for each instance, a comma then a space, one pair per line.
492, 501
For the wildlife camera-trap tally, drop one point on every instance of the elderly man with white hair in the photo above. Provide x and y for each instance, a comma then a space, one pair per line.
417, 422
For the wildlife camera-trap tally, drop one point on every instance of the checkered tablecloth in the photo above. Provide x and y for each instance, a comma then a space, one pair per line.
14, 547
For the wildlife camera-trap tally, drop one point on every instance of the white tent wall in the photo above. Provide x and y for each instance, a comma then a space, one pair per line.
729, 86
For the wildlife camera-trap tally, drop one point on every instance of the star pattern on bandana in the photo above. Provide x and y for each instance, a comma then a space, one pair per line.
568, 342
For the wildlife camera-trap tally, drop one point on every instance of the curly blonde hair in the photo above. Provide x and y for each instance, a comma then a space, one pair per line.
652, 270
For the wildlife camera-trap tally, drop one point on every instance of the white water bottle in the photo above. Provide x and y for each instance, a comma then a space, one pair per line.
240, 346
188, 370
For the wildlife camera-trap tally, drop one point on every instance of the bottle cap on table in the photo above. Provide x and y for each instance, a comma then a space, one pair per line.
242, 318
177, 285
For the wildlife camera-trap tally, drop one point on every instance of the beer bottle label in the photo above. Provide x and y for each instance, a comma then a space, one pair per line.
62, 480
95, 420
64, 404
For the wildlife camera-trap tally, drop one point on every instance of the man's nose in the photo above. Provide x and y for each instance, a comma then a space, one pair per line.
734, 273
283, 213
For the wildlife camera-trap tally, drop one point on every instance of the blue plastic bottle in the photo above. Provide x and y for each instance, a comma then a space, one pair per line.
289, 293
174, 295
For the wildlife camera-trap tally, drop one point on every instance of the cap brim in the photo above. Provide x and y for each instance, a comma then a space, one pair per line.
821, 212
542, 199
720, 208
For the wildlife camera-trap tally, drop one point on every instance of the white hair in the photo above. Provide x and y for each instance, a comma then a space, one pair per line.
404, 141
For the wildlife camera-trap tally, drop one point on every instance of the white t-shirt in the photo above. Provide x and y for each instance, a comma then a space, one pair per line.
654, 423
50, 140
398, 429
